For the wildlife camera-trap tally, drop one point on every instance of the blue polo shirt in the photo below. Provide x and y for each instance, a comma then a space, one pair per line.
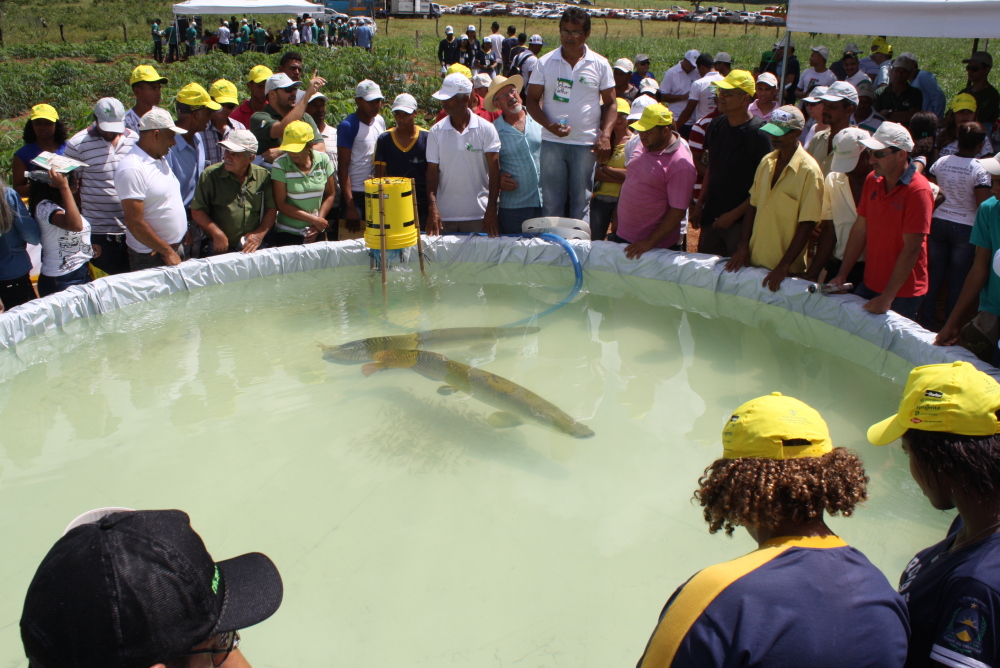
986, 234
953, 599
796, 601
520, 156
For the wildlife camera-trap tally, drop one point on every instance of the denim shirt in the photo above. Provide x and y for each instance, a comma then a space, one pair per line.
14, 260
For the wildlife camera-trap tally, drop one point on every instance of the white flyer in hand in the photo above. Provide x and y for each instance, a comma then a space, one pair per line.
60, 163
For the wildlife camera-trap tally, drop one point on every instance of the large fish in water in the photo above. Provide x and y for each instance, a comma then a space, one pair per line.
363, 350
517, 405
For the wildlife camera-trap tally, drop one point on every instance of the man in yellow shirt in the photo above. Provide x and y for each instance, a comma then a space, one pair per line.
785, 203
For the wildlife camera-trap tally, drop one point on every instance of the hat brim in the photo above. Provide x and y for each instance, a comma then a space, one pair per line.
844, 164
638, 126
227, 100
618, 67
517, 81
873, 144
45, 117
293, 148
253, 591
991, 165
441, 95
964, 107
371, 97
775, 130
260, 79
404, 107
886, 431
112, 126
162, 80
176, 130
236, 148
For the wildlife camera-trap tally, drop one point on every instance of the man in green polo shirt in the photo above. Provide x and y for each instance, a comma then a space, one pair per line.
233, 202
268, 125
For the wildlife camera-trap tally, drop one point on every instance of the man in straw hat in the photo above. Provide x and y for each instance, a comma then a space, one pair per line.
520, 155
778, 474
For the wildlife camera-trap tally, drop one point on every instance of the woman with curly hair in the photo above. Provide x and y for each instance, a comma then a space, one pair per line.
805, 597
948, 424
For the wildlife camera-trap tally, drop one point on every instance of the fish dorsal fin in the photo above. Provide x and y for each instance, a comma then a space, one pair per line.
503, 420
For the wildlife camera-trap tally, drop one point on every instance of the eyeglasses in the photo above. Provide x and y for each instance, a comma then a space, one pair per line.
878, 155
573, 33
222, 646
643, 62
972, 68
730, 92
510, 93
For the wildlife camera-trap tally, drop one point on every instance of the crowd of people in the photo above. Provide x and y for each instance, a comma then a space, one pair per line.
866, 178
858, 173
138, 589
234, 37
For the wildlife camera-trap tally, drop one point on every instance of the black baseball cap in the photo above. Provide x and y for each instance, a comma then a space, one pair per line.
129, 589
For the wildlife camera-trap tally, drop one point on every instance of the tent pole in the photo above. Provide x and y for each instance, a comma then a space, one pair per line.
784, 68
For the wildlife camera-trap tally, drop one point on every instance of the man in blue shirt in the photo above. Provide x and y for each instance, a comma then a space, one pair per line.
980, 332
925, 82
520, 155
805, 597
364, 36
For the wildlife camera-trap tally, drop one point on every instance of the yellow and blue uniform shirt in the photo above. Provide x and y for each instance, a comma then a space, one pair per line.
953, 601
796, 601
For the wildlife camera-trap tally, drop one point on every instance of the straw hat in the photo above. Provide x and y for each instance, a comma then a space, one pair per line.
517, 81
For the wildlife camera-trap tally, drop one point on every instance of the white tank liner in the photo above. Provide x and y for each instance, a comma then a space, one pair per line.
836, 324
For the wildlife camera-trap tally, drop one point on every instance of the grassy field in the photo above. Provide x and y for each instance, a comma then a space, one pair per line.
94, 61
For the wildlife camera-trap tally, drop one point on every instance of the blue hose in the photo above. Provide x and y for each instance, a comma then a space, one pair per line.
577, 270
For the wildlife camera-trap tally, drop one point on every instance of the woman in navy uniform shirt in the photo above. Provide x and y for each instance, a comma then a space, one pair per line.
805, 597
948, 424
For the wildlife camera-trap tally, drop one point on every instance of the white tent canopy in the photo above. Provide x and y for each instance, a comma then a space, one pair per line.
249, 7
910, 18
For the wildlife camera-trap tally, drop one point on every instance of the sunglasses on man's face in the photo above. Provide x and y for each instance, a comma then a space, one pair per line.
222, 646
972, 68
643, 62
878, 155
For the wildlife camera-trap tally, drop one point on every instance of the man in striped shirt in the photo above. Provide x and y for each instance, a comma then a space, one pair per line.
102, 146
220, 123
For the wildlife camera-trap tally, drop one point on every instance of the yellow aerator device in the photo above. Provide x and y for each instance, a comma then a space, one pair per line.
397, 202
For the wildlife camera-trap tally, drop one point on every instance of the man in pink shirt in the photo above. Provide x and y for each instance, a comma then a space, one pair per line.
657, 188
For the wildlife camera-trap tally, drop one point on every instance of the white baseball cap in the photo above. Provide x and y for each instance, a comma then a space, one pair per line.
471, 27
453, 84
159, 119
638, 105
888, 135
368, 90
648, 85
769, 79
404, 102
448, 30
240, 141
991, 165
536, 39
623, 65
481, 80
692, 56
816, 94
847, 148
317, 96
279, 81
821, 50
841, 90
110, 114
723, 57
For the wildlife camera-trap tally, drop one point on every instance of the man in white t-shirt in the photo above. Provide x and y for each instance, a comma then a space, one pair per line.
496, 39
572, 96
223, 34
699, 97
356, 136
818, 73
526, 61
852, 70
463, 165
155, 221
676, 86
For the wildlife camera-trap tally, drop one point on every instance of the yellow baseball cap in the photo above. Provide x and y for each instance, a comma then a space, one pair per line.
460, 69
953, 398
883, 48
740, 80
652, 116
224, 92
624, 107
297, 136
45, 112
195, 96
259, 74
760, 427
146, 73
964, 102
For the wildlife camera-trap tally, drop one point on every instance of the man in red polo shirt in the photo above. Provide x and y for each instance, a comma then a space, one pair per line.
894, 219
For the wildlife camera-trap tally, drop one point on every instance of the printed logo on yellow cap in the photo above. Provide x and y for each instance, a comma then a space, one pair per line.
146, 73
224, 92
44, 112
952, 398
963, 102
194, 95
259, 74
296, 137
760, 427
